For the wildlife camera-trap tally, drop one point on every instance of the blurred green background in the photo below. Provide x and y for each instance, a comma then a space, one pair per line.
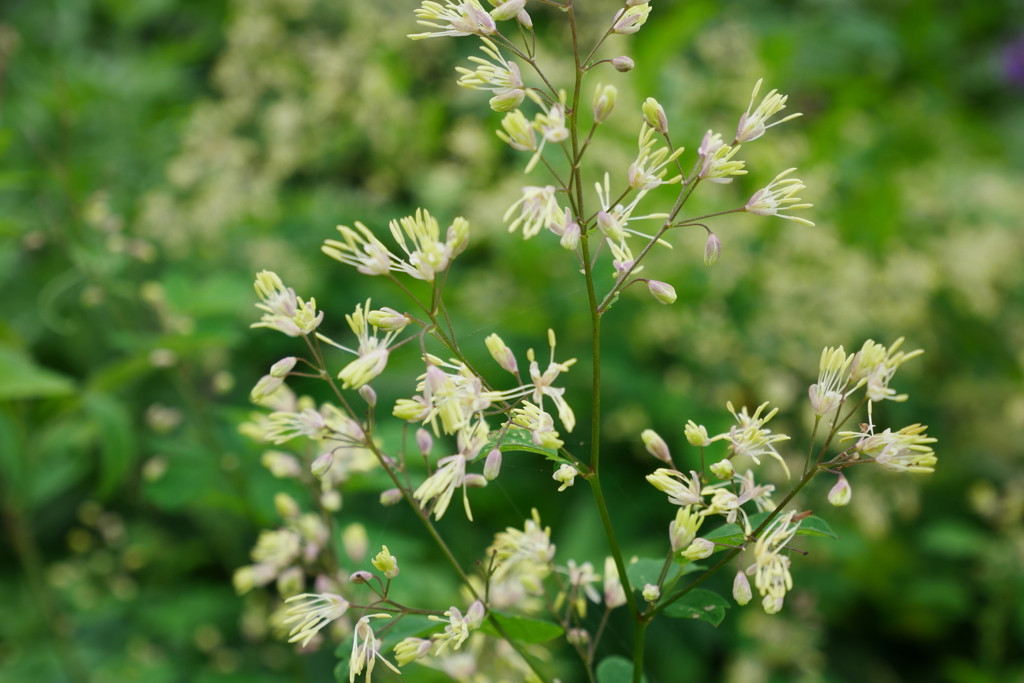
154, 154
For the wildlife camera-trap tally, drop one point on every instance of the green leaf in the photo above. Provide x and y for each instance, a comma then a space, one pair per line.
21, 378
523, 630
516, 440
732, 534
699, 603
647, 570
616, 669
117, 441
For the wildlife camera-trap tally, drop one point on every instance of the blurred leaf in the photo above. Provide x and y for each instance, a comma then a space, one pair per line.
616, 669
954, 539
516, 440
58, 459
732, 534
647, 570
116, 440
522, 629
699, 603
10, 451
22, 378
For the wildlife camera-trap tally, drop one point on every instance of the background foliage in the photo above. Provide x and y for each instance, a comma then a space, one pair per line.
154, 154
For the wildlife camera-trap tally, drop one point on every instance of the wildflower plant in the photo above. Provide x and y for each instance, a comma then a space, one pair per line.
523, 597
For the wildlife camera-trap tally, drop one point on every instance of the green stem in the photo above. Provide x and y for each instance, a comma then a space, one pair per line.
638, 650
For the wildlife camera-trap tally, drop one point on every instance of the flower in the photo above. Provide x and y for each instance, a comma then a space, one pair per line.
519, 135
360, 248
723, 502
826, 395
741, 589
778, 195
459, 627
680, 489
283, 310
312, 611
723, 469
604, 101
683, 530
698, 549
716, 163
650, 167
276, 548
654, 116
542, 383
372, 352
524, 556
462, 19
429, 255
841, 493
750, 438
366, 649
411, 649
907, 450
538, 209
630, 20
450, 475
651, 592
540, 424
751, 491
656, 446
566, 474
752, 125
504, 11
386, 562
877, 365
501, 77
771, 569
614, 594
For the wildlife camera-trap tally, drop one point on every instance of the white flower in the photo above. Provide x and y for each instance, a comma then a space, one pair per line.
680, 489
771, 568
750, 438
524, 556
461, 19
313, 611
366, 649
429, 255
777, 196
542, 383
650, 167
723, 502
723, 469
282, 309
386, 562
877, 365
360, 248
630, 20
411, 649
277, 548
449, 476
826, 395
699, 549
604, 101
566, 474
716, 164
502, 78
651, 592
541, 425
459, 627
519, 135
752, 125
538, 209
683, 530
614, 594
907, 450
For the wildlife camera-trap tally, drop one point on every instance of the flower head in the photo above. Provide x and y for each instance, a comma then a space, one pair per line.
681, 490
650, 167
771, 568
907, 450
499, 76
876, 365
538, 209
523, 555
459, 626
386, 562
683, 529
752, 124
630, 20
614, 594
456, 19
366, 649
833, 375
566, 475
716, 164
282, 309
312, 611
778, 196
750, 438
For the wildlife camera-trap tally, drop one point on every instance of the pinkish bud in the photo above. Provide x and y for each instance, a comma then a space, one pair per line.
492, 466
424, 441
368, 394
662, 291
323, 462
712, 249
390, 497
475, 481
360, 577
623, 64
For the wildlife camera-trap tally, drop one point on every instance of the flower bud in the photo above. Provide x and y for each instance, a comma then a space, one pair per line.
723, 469
651, 592
386, 562
654, 115
634, 3
566, 474
623, 64
741, 589
662, 291
607, 224
368, 394
507, 10
330, 501
267, 385
841, 493
323, 462
699, 549
355, 541
712, 249
577, 636
571, 237
424, 441
411, 649
411, 410
696, 434
286, 506
388, 319
656, 446
390, 497
683, 530
630, 20
492, 466
360, 577
501, 353
604, 101
475, 481
506, 101
458, 231
283, 366
291, 582
772, 605
281, 465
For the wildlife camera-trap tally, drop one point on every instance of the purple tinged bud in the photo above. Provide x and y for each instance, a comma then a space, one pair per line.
368, 394
424, 441
524, 19
656, 446
712, 249
475, 481
662, 291
741, 589
475, 614
492, 466
323, 462
623, 64
283, 366
390, 497
360, 577
841, 493
507, 10
571, 237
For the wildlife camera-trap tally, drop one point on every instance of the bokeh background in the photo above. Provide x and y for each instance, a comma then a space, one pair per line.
155, 154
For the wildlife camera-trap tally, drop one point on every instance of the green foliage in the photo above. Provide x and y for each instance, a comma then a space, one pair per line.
699, 603
523, 629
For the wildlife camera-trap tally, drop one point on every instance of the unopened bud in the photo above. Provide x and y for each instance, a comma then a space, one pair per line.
712, 249
623, 64
475, 481
323, 462
571, 237
651, 592
507, 10
656, 446
330, 501
662, 291
286, 506
696, 434
355, 541
841, 493
283, 366
699, 549
604, 101
577, 636
524, 19
492, 466
723, 469
386, 562
267, 385
387, 319
360, 577
501, 353
458, 231
654, 115
368, 394
424, 441
390, 497
741, 589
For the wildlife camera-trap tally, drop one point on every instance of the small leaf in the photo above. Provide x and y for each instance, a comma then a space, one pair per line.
815, 526
732, 534
516, 440
21, 378
523, 630
116, 439
616, 669
701, 604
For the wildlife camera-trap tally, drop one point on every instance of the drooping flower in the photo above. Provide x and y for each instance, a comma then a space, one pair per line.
441, 485
456, 19
386, 562
366, 649
650, 167
312, 611
566, 475
778, 195
681, 490
282, 309
833, 375
459, 626
538, 209
877, 365
753, 124
683, 529
523, 555
499, 76
771, 568
411, 649
907, 450
750, 437
716, 164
